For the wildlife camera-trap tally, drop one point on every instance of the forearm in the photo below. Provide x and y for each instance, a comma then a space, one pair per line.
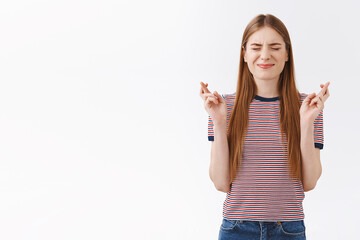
311, 165
219, 165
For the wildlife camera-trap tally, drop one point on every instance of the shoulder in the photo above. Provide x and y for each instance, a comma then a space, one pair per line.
229, 97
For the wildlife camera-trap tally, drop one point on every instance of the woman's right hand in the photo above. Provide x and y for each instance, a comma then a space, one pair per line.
214, 104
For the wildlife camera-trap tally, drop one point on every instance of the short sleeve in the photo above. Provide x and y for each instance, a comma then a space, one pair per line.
210, 129
319, 131
211, 123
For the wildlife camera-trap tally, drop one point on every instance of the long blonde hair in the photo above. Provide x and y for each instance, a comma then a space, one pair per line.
246, 91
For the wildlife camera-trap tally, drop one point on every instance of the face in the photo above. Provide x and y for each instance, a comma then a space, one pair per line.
265, 46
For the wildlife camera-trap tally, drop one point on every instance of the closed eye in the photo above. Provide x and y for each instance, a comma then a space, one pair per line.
259, 48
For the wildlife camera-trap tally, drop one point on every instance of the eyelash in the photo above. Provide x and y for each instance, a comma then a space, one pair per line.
259, 48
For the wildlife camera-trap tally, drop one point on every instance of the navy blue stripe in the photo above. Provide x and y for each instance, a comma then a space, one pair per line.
317, 145
264, 99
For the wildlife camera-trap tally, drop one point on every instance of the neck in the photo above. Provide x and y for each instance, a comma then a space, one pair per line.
267, 88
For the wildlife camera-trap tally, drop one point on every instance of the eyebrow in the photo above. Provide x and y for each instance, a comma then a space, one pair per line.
271, 44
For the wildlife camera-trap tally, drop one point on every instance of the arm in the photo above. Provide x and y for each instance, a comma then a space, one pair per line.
311, 165
310, 109
219, 164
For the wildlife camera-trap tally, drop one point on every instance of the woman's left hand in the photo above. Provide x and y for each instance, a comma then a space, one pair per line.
313, 104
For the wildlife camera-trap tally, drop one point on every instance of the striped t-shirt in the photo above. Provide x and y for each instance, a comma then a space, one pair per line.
263, 189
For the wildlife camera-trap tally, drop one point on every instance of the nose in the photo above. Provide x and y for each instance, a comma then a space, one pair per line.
265, 54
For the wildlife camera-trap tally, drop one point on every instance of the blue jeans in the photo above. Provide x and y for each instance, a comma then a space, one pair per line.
261, 230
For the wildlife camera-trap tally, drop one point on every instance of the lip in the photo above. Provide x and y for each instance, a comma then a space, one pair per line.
265, 66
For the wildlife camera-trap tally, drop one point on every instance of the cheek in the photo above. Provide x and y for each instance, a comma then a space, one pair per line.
252, 58
281, 56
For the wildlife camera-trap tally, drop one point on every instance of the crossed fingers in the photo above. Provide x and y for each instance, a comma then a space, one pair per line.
322, 96
205, 94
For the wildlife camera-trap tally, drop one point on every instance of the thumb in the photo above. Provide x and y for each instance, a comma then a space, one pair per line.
220, 99
309, 98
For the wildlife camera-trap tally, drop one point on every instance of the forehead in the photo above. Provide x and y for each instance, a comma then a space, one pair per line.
265, 35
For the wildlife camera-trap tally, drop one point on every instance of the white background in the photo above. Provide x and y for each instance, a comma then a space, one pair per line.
103, 134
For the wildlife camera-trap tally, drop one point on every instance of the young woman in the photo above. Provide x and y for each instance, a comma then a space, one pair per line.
266, 139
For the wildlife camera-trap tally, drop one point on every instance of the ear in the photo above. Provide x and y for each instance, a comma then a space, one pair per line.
244, 53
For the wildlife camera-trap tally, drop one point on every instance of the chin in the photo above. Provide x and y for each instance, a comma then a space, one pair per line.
266, 77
